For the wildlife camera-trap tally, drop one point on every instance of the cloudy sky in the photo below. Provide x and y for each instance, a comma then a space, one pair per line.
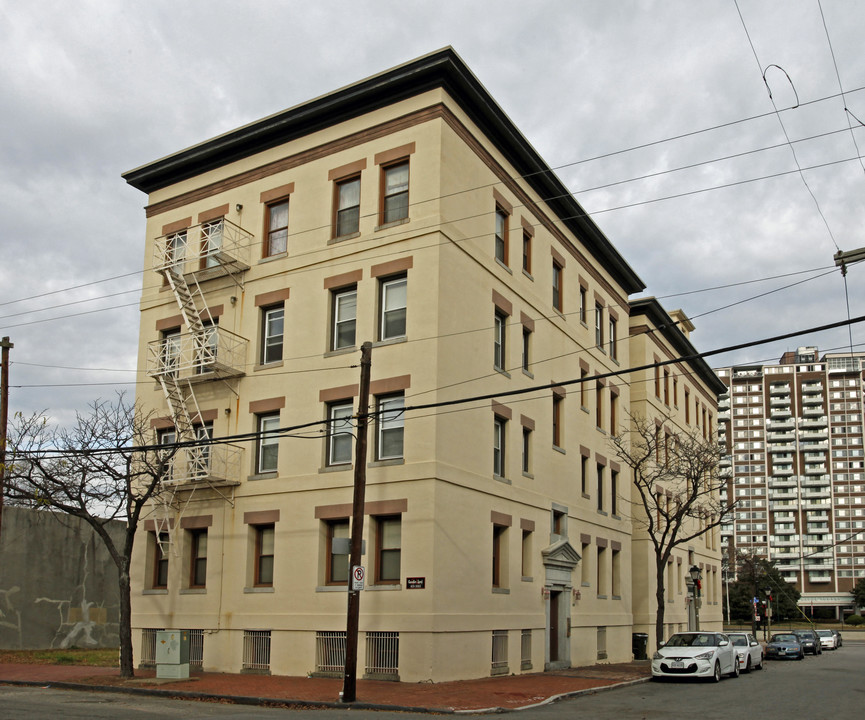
655, 114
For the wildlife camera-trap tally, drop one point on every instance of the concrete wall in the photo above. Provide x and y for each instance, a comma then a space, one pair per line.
58, 585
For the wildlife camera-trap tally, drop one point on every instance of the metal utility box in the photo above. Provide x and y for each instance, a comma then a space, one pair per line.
172, 654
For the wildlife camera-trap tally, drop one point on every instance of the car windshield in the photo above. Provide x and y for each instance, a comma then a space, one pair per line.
784, 639
806, 634
693, 640
739, 640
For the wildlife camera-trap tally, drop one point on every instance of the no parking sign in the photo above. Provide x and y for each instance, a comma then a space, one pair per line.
358, 573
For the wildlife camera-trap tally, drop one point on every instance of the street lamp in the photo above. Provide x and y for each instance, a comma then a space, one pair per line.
695, 586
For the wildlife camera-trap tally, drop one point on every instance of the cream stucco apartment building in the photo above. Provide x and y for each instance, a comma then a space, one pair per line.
408, 211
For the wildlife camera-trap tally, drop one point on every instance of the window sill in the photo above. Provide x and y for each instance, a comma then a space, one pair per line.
342, 238
527, 578
585, 584
331, 588
602, 597
501, 591
528, 374
502, 265
502, 371
267, 366
263, 476
616, 517
584, 409
271, 258
155, 591
390, 341
386, 588
528, 275
341, 351
617, 597
601, 430
386, 462
501, 479
528, 475
335, 468
584, 324
603, 512
262, 589
560, 313
193, 591
392, 223
587, 496
559, 449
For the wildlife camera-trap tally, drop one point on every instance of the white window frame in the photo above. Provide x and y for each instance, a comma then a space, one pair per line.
267, 438
390, 423
389, 291
341, 318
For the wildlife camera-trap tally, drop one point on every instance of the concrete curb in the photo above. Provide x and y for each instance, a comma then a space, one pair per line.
554, 698
237, 699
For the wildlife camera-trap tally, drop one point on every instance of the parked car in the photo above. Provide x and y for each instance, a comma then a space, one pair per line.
784, 646
838, 638
827, 639
810, 641
749, 651
696, 654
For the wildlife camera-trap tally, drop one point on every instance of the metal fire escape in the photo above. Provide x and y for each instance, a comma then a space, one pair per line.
202, 352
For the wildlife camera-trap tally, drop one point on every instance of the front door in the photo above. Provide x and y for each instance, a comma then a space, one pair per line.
555, 601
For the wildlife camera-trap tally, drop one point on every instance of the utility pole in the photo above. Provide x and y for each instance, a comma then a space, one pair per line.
349, 683
4, 416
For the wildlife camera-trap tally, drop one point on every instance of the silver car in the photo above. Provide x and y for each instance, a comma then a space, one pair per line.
749, 651
696, 654
827, 639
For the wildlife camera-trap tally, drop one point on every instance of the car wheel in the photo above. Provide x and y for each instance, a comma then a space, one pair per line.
759, 666
801, 655
735, 672
716, 676
748, 665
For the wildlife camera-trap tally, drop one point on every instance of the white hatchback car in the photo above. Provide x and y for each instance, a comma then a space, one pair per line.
696, 654
750, 651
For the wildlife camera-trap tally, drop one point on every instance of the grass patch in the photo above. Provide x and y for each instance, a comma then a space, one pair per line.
102, 657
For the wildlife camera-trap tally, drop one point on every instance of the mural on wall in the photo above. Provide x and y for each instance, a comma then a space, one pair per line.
58, 585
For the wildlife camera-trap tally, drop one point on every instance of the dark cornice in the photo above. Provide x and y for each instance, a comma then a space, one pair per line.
443, 69
664, 324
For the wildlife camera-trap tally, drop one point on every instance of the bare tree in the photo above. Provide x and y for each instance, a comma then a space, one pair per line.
681, 496
106, 467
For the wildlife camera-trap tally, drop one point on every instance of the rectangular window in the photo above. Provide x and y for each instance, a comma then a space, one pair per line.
344, 318
169, 352
666, 387
499, 556
584, 475
206, 348
583, 306
599, 326
272, 334
602, 571
199, 456
527, 448
198, 558
558, 406
614, 414
612, 340
268, 443
337, 562
527, 343
391, 427
599, 404
501, 236
526, 563
264, 546
388, 549
558, 300
347, 221
500, 327
584, 388
277, 228
687, 405
393, 308
339, 433
615, 589
499, 425
160, 564
600, 471
614, 492
527, 253
211, 242
394, 192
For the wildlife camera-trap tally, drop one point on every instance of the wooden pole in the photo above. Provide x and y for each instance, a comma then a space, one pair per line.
4, 417
349, 686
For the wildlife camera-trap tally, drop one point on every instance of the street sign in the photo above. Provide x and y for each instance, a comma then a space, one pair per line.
358, 573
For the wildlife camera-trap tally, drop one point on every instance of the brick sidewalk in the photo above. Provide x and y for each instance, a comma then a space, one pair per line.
500, 693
